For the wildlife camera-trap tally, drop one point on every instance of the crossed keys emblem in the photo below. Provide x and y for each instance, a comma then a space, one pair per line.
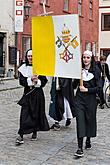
66, 43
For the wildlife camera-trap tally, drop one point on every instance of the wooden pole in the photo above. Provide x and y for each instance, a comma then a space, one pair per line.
44, 10
81, 80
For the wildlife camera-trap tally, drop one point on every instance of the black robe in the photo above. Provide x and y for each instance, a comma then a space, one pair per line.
86, 104
32, 117
56, 108
104, 73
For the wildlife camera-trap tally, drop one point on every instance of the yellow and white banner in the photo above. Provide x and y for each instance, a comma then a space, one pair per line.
56, 46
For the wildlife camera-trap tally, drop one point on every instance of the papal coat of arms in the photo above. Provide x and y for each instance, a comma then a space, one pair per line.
66, 40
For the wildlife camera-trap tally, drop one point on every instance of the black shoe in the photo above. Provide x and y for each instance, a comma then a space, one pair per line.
109, 99
55, 126
68, 122
19, 141
79, 153
34, 136
52, 127
102, 106
88, 145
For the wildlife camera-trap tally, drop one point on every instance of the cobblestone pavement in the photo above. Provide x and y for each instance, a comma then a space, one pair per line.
52, 147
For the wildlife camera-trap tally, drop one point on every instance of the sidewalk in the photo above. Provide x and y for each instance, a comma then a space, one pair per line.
11, 83
8, 84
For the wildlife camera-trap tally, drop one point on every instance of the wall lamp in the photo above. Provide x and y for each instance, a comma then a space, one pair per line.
27, 8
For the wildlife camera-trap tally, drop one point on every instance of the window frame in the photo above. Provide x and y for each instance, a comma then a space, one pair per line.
80, 7
102, 22
105, 51
26, 44
66, 9
47, 1
88, 45
91, 9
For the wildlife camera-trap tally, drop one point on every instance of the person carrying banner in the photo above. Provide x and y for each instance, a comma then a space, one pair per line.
32, 117
85, 102
61, 105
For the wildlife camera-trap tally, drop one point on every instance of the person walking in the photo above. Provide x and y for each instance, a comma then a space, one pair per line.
85, 102
61, 105
104, 68
32, 117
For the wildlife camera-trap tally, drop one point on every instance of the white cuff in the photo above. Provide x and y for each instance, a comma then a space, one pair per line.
29, 81
38, 83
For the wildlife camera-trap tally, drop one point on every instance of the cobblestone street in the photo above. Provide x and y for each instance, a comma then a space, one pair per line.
53, 147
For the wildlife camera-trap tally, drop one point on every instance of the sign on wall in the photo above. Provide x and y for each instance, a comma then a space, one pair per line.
56, 46
19, 5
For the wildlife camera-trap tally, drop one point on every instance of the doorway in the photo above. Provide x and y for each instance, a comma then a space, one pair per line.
2, 67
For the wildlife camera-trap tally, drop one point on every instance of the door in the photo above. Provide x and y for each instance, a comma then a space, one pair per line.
1, 51
2, 67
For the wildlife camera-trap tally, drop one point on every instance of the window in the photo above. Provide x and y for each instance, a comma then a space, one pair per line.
26, 44
66, 5
105, 22
12, 55
105, 52
46, 1
80, 7
94, 48
91, 9
88, 46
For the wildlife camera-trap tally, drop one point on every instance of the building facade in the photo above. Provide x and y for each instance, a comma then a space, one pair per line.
88, 17
104, 27
7, 36
13, 45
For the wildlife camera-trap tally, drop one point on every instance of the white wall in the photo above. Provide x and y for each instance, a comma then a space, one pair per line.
104, 2
7, 18
104, 36
7, 26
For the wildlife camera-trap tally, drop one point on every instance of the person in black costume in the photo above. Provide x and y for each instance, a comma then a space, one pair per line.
85, 102
32, 117
61, 105
104, 68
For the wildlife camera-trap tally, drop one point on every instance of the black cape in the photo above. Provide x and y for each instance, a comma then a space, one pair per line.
56, 108
86, 104
32, 117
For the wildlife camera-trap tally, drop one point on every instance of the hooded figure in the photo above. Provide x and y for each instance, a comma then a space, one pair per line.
61, 105
32, 117
86, 102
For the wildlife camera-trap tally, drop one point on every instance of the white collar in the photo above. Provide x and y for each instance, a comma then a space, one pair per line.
26, 71
86, 75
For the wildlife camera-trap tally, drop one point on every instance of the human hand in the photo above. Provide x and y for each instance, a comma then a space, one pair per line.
34, 78
83, 89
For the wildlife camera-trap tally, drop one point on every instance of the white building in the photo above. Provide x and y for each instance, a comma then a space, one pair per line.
104, 27
7, 36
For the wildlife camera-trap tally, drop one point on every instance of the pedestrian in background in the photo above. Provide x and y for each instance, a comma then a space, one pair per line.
32, 117
104, 68
61, 105
85, 102
108, 62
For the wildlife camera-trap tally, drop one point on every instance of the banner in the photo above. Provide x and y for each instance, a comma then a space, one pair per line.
19, 8
56, 46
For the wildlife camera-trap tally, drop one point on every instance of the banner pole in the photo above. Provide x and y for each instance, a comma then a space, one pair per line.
81, 80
